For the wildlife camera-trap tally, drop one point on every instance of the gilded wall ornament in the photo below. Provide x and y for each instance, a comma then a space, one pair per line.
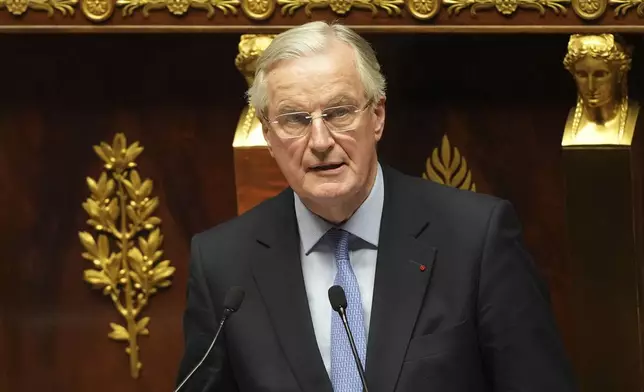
97, 10
604, 114
624, 6
179, 7
448, 167
126, 250
341, 7
423, 9
589, 9
249, 128
506, 7
19, 7
258, 9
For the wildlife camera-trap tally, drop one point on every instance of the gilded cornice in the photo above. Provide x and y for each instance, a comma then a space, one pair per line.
280, 12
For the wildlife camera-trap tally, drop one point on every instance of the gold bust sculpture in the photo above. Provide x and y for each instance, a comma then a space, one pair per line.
249, 128
603, 115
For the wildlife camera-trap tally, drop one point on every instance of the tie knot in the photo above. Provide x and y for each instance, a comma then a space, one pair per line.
339, 237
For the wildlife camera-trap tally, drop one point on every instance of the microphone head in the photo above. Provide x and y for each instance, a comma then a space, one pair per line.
337, 298
234, 298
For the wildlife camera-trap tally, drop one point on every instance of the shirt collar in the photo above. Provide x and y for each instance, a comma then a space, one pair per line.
365, 222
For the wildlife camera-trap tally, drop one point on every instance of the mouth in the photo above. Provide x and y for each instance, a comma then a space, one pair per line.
326, 167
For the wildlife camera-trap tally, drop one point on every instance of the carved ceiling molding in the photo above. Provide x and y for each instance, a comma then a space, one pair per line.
259, 10
19, 7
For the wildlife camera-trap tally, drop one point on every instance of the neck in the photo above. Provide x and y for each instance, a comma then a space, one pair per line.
602, 114
338, 213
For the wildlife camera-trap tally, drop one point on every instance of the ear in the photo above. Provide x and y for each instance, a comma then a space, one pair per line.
379, 111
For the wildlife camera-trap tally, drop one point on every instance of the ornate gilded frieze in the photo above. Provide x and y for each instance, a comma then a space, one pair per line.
258, 9
179, 7
19, 7
589, 9
624, 6
423, 9
506, 7
447, 166
97, 10
262, 10
341, 7
125, 251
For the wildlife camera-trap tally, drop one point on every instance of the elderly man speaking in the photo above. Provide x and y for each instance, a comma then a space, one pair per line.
436, 290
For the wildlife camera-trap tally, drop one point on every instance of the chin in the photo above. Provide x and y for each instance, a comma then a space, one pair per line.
329, 191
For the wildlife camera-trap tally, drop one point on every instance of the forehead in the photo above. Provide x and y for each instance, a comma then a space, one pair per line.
315, 79
591, 64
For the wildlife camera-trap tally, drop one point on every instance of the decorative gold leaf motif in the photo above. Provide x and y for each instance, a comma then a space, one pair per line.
19, 7
505, 7
258, 9
624, 6
446, 169
97, 10
179, 7
589, 9
120, 209
423, 9
341, 7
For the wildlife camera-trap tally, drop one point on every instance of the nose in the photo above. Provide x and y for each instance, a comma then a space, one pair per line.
321, 140
591, 84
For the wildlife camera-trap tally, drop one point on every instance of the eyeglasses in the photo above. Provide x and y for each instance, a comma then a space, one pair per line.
337, 119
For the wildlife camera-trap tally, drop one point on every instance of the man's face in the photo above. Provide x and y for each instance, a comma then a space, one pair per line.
324, 166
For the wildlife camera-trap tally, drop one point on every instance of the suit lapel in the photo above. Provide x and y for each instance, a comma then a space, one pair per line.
404, 266
278, 274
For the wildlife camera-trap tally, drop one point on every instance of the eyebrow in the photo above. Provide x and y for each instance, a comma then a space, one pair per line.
341, 100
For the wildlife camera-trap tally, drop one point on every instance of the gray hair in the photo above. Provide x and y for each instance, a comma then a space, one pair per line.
312, 38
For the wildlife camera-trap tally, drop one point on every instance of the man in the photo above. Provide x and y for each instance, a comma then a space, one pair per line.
441, 294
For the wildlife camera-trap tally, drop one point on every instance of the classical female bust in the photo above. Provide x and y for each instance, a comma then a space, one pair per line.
603, 115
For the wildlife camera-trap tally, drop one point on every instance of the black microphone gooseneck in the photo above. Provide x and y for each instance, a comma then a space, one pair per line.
338, 301
232, 302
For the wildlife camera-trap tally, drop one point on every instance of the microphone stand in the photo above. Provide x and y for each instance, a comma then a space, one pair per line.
352, 343
227, 312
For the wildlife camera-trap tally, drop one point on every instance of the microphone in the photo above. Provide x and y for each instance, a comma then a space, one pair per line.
232, 302
338, 301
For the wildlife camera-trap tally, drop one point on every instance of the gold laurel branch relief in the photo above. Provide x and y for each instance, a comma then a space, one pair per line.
19, 7
179, 7
506, 7
445, 167
341, 7
125, 252
624, 6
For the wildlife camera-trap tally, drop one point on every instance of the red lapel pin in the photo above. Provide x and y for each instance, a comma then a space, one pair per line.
421, 267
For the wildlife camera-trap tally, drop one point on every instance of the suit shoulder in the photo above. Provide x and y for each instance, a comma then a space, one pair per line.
434, 192
229, 231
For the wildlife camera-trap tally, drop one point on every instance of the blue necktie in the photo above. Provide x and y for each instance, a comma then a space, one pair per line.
344, 374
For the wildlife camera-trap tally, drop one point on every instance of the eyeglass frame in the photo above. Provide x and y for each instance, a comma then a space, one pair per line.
311, 118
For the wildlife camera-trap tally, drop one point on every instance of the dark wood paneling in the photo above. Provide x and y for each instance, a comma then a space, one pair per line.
60, 96
257, 177
502, 100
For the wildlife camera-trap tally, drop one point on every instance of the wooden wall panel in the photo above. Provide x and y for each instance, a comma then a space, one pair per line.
502, 100
60, 97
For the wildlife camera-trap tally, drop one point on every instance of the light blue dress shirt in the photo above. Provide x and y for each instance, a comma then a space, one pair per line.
319, 267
